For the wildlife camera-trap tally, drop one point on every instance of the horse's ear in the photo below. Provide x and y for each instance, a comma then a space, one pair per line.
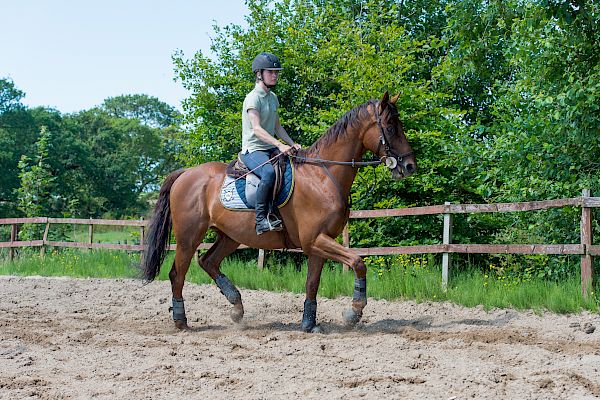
395, 99
384, 101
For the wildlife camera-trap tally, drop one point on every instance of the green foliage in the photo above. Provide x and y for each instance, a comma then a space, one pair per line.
541, 140
148, 110
102, 161
336, 55
35, 193
18, 135
10, 96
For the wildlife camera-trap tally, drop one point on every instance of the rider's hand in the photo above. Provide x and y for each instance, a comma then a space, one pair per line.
296, 146
284, 148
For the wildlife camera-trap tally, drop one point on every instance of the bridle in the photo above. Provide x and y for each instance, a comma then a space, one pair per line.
391, 159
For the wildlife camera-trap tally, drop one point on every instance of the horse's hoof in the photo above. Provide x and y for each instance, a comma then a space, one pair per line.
181, 325
351, 317
237, 313
313, 329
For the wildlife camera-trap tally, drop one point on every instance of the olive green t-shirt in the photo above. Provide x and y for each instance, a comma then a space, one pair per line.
266, 104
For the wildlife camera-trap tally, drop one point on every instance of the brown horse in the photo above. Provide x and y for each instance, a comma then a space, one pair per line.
314, 216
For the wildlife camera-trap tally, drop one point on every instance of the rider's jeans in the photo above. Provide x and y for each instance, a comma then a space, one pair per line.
266, 173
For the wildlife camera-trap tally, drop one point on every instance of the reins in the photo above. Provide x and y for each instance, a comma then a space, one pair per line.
253, 169
353, 163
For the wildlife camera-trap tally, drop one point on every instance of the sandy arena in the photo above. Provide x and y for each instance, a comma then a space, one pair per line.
66, 338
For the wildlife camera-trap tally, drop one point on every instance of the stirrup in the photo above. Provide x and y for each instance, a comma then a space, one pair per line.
266, 225
275, 223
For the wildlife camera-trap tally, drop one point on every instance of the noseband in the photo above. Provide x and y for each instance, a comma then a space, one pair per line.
391, 159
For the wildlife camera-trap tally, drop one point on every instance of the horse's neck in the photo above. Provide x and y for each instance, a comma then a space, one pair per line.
348, 148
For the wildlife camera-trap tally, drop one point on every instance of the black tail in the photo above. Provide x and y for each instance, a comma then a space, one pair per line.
159, 230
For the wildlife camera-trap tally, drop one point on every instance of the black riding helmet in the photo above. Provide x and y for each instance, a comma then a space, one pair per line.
266, 61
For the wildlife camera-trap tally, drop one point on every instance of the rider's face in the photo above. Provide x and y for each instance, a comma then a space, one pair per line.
270, 77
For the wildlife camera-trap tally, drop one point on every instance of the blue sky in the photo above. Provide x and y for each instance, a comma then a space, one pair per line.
73, 54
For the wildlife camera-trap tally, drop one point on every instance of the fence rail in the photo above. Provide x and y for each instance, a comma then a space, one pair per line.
585, 248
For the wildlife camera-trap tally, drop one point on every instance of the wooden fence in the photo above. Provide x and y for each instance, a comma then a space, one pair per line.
585, 249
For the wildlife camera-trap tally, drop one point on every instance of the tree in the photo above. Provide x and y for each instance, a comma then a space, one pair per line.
527, 74
545, 140
35, 192
148, 110
10, 96
18, 134
123, 160
104, 160
154, 137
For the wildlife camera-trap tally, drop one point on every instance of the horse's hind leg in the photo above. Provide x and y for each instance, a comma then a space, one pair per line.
186, 248
211, 263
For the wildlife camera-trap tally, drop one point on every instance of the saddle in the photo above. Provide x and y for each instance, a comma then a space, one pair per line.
237, 169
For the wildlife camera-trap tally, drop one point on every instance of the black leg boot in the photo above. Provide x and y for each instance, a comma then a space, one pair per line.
262, 209
265, 221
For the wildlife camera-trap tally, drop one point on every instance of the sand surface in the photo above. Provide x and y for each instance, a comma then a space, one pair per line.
63, 338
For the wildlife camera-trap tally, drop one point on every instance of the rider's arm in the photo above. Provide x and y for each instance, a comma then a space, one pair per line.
283, 135
262, 134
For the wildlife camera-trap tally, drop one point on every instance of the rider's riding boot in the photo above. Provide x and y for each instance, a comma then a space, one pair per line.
265, 221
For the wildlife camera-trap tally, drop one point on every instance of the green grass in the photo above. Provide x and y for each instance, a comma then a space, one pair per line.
407, 279
80, 233
474, 288
104, 234
75, 263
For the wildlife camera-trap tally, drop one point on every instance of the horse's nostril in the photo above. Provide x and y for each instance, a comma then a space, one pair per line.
410, 167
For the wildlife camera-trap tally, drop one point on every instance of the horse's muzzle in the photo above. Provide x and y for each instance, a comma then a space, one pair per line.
409, 168
404, 170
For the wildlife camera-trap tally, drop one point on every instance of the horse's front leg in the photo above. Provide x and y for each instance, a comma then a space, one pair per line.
327, 247
313, 278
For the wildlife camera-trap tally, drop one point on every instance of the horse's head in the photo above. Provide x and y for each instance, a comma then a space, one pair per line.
391, 146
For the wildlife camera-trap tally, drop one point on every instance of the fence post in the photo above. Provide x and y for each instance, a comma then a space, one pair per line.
45, 239
261, 258
447, 239
142, 233
586, 241
13, 236
91, 234
346, 242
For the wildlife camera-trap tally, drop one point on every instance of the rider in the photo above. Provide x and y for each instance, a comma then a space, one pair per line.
260, 124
